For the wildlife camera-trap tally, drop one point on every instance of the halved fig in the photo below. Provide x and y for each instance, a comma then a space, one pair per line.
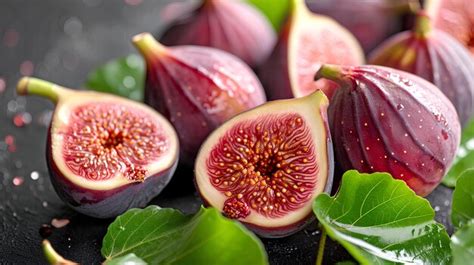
232, 26
306, 41
436, 57
197, 88
455, 17
264, 167
105, 153
386, 120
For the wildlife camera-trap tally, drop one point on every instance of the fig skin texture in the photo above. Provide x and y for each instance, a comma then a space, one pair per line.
455, 17
371, 21
197, 88
306, 41
232, 26
436, 57
105, 154
264, 167
386, 120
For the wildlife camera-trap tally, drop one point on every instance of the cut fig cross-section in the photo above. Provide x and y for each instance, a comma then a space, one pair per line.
265, 166
105, 154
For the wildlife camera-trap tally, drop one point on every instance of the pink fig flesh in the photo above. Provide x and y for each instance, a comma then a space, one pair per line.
385, 120
264, 167
306, 41
196, 88
105, 154
232, 26
436, 57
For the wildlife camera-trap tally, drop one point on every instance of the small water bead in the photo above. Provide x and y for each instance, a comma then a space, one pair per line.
34, 175
17, 181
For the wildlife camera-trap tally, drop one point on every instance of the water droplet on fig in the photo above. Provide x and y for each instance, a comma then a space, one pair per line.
445, 134
400, 107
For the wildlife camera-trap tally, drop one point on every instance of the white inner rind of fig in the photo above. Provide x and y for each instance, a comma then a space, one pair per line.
61, 123
310, 109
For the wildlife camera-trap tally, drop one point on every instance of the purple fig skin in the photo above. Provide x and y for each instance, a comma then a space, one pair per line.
232, 26
436, 57
385, 120
197, 89
359, 17
107, 203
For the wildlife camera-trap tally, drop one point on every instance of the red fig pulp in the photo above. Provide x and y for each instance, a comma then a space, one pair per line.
265, 166
197, 88
385, 120
232, 26
105, 154
371, 21
436, 57
306, 41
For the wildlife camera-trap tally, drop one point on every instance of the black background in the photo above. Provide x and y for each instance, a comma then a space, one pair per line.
64, 40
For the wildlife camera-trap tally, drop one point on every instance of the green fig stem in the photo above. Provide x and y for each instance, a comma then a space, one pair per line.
35, 86
330, 71
422, 24
297, 6
148, 45
53, 257
322, 246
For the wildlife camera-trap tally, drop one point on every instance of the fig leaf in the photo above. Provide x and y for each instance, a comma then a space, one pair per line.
129, 259
380, 220
464, 158
123, 76
275, 11
462, 211
167, 236
462, 244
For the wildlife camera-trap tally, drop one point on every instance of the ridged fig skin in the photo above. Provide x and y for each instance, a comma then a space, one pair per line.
385, 120
306, 41
197, 89
371, 21
436, 57
232, 26
107, 203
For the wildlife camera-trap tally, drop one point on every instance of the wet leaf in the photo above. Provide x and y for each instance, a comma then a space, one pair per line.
380, 220
462, 210
462, 243
130, 259
123, 77
166, 236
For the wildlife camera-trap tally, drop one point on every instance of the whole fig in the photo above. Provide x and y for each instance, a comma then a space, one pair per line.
197, 88
436, 57
232, 26
386, 120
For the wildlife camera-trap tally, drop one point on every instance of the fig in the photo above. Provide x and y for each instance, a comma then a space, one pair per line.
371, 21
197, 88
455, 17
436, 57
232, 26
386, 120
306, 41
264, 167
105, 153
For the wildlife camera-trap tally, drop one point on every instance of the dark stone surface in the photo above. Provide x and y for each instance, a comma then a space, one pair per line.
64, 40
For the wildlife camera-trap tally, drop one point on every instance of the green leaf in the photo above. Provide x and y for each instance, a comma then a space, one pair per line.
275, 11
123, 77
130, 259
462, 210
380, 220
464, 158
462, 243
166, 236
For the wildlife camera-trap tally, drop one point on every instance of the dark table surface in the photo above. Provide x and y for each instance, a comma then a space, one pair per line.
61, 41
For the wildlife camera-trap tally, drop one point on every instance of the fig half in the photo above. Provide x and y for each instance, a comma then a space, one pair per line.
232, 26
197, 88
306, 41
385, 120
265, 166
105, 153
436, 57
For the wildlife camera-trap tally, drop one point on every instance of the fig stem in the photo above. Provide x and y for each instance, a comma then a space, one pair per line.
297, 6
332, 72
35, 86
422, 24
322, 245
148, 45
53, 257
